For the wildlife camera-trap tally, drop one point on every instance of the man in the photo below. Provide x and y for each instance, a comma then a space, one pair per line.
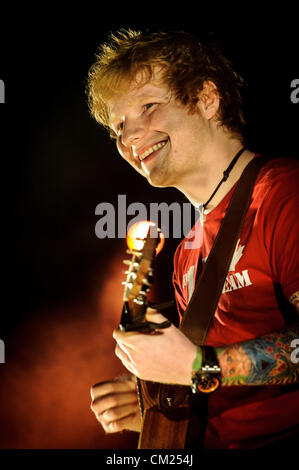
174, 107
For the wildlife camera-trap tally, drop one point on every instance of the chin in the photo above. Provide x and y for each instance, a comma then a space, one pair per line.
159, 179
158, 182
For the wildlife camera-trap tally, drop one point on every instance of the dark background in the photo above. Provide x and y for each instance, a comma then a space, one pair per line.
61, 285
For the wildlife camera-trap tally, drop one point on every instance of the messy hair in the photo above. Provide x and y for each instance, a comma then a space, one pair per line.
185, 62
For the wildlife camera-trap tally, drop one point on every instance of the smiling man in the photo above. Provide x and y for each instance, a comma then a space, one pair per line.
173, 105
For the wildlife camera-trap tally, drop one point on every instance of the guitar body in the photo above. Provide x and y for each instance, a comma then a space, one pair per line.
173, 418
166, 416
164, 431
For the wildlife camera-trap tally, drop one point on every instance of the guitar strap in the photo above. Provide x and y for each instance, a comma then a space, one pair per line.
200, 311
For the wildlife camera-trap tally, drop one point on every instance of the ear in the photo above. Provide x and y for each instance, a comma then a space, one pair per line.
208, 100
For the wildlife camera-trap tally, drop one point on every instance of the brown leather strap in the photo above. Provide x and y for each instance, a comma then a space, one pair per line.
200, 311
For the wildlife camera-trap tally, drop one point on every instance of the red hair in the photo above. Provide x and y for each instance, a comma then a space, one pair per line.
186, 64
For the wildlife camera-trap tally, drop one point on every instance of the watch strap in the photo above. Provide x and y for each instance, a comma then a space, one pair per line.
209, 358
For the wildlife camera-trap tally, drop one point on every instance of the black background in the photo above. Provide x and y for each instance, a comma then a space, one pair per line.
57, 163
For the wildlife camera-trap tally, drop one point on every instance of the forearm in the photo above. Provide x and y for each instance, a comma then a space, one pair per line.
266, 360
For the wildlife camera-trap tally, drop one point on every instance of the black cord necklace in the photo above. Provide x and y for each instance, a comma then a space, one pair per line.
225, 176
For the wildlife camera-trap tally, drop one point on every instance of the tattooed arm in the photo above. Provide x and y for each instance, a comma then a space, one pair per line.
267, 360
294, 299
260, 361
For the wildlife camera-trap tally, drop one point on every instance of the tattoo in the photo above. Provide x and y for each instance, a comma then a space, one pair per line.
261, 361
294, 299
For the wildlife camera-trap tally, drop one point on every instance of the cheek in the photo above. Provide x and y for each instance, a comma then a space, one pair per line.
164, 120
184, 130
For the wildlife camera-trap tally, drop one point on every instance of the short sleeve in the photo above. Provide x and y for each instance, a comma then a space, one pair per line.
281, 229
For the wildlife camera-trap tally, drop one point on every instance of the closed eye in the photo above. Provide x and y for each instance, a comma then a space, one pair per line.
148, 106
120, 126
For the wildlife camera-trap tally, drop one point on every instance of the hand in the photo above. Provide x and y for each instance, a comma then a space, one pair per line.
115, 405
165, 356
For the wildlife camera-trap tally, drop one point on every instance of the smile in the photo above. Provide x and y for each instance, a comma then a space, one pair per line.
152, 149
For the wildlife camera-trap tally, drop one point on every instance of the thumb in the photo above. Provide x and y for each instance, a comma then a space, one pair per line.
154, 316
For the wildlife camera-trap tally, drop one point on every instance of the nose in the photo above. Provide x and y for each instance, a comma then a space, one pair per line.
132, 131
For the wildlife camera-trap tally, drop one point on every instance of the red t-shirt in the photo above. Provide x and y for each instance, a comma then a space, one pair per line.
267, 252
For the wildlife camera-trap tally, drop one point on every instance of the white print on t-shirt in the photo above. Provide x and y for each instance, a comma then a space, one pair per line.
236, 256
234, 281
237, 280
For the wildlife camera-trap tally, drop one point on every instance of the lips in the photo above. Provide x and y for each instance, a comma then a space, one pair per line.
152, 149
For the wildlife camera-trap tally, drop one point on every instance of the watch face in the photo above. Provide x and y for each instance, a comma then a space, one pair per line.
208, 384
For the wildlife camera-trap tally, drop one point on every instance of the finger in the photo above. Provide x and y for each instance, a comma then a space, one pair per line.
101, 404
112, 387
125, 338
126, 359
154, 316
151, 310
120, 412
131, 422
123, 353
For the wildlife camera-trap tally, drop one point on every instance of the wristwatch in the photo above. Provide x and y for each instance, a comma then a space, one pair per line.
208, 378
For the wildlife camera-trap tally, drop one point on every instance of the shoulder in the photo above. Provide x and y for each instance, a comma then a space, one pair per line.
277, 179
275, 203
278, 171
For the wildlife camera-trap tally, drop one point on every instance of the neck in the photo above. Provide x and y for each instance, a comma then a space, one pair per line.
210, 173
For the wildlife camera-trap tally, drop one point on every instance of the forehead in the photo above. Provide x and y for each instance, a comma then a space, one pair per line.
135, 94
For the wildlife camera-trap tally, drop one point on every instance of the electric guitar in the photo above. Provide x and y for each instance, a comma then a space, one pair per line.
165, 409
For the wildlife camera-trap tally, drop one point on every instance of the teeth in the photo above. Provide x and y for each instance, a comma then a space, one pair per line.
152, 149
